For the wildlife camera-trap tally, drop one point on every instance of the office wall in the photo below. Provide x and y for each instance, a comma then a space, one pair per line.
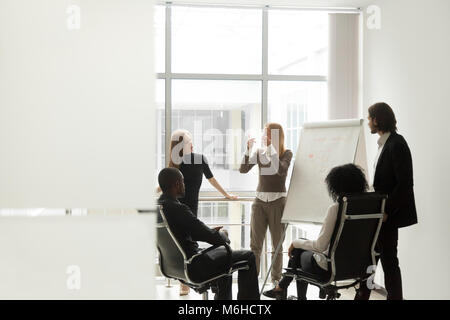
406, 64
76, 104
90, 257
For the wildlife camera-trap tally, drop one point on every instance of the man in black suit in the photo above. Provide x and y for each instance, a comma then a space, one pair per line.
188, 229
394, 177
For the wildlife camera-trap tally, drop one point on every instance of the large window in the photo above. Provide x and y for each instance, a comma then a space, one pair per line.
298, 42
224, 72
219, 113
215, 40
291, 103
234, 216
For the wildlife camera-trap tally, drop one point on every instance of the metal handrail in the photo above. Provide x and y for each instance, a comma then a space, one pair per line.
217, 199
227, 224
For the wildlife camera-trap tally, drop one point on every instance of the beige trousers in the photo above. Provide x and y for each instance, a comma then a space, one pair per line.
267, 214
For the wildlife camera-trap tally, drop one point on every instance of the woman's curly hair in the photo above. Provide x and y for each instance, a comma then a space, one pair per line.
346, 179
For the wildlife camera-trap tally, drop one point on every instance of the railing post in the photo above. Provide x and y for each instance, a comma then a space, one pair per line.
264, 260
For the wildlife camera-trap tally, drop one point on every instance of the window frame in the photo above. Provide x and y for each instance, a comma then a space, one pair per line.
264, 77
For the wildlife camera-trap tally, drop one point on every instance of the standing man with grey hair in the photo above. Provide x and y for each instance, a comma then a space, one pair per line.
394, 177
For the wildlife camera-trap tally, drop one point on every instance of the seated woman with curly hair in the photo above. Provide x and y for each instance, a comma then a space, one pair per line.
342, 180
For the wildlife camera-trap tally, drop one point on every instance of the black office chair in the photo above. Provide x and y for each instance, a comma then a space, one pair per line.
174, 264
352, 246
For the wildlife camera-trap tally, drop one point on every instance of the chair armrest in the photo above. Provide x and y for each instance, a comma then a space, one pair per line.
328, 259
227, 247
318, 252
204, 251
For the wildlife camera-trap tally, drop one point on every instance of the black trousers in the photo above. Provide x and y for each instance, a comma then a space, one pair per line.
213, 264
305, 260
387, 247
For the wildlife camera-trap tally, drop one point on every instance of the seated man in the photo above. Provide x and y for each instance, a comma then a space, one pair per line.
187, 229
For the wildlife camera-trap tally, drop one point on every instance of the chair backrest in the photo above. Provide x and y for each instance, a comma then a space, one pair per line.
171, 255
352, 246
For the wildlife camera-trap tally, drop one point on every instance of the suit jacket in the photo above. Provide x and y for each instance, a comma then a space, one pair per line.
394, 177
186, 227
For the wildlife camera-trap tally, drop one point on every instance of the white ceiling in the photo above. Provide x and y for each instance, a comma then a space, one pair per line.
292, 3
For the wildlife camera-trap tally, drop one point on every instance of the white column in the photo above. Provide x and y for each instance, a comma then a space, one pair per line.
343, 67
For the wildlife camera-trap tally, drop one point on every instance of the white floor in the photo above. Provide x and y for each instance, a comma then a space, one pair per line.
163, 292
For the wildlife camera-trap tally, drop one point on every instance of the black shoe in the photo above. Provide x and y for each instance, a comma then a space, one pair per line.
275, 294
322, 294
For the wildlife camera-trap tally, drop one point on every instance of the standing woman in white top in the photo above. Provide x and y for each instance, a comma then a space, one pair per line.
273, 161
342, 180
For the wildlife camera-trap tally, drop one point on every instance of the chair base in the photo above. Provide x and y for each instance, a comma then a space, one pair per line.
201, 289
328, 292
211, 284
